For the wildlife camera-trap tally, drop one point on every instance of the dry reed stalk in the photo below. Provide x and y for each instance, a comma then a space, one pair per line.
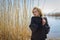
10, 29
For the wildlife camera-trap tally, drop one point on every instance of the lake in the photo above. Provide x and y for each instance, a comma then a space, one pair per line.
54, 23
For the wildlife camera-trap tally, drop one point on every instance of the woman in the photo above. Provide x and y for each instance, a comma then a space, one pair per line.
39, 26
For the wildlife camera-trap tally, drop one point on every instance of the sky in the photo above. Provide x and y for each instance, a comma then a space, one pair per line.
52, 6
47, 6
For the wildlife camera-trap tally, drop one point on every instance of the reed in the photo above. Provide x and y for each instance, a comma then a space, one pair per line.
13, 26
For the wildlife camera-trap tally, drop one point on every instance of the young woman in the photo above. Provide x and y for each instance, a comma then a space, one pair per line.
39, 26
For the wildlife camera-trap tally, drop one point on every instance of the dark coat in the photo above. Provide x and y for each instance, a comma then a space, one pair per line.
38, 30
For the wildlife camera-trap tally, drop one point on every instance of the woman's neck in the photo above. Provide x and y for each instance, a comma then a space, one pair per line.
37, 16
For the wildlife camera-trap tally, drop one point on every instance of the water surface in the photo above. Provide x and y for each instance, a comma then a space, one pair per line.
54, 23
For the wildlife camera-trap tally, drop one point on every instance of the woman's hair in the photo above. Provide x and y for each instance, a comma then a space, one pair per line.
38, 9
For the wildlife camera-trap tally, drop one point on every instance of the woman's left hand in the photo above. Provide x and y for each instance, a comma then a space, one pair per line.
43, 21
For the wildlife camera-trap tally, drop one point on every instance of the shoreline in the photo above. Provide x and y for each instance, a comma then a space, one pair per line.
53, 39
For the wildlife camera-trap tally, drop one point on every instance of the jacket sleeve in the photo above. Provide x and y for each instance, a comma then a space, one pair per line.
33, 26
47, 27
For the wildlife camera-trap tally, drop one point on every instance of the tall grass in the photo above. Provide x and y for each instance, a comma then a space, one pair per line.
13, 22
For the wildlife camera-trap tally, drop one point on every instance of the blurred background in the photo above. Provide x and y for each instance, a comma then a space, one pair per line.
15, 17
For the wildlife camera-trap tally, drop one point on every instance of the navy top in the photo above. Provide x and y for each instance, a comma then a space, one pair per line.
38, 30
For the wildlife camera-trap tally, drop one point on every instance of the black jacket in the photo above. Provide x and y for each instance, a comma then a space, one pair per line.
38, 30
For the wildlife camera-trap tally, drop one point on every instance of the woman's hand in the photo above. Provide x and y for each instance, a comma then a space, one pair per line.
43, 22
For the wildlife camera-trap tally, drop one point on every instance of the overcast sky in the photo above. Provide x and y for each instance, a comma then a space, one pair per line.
52, 6
47, 6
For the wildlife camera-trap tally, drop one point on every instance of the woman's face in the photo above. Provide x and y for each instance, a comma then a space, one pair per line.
35, 12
